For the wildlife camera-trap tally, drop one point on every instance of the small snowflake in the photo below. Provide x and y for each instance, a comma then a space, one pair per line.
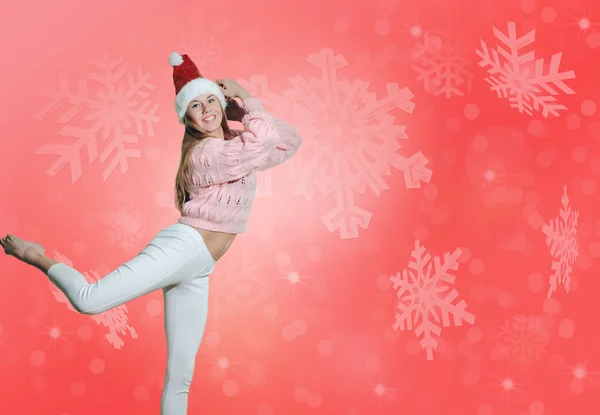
524, 80
561, 238
126, 227
523, 339
236, 287
112, 116
441, 66
426, 298
350, 139
115, 319
202, 48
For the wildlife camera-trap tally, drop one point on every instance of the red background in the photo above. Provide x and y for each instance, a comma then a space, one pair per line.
325, 344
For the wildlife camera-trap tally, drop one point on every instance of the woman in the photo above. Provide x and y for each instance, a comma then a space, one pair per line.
214, 189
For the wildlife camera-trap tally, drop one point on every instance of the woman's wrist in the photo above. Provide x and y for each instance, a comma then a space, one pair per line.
244, 95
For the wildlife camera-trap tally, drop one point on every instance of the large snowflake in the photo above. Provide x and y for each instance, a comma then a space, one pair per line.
110, 113
426, 298
523, 339
350, 138
125, 227
441, 66
528, 83
202, 48
236, 287
561, 233
115, 319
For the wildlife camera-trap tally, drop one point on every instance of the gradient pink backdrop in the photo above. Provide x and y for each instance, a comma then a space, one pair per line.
303, 308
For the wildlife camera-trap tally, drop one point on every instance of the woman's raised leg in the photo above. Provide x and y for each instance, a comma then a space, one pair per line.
176, 254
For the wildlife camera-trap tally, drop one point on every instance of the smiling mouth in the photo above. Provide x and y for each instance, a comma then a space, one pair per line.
209, 119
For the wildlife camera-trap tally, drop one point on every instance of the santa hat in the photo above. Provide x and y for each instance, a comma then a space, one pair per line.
189, 83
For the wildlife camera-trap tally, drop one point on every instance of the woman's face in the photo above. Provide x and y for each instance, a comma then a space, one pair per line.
206, 113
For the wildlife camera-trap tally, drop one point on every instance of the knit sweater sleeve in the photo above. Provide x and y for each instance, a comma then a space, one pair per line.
287, 146
218, 161
289, 139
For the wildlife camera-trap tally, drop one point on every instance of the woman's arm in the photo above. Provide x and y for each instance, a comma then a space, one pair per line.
289, 139
289, 142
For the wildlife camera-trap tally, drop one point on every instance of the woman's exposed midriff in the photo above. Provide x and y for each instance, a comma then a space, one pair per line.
217, 242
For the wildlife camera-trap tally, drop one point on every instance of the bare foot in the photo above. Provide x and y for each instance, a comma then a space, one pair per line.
23, 250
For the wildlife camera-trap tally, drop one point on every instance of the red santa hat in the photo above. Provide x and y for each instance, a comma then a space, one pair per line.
189, 83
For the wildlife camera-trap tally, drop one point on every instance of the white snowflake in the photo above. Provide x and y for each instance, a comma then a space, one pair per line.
110, 113
126, 227
115, 319
426, 298
561, 238
441, 66
523, 339
525, 81
202, 48
350, 139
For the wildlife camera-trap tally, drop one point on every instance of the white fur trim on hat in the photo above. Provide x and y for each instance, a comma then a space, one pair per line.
194, 88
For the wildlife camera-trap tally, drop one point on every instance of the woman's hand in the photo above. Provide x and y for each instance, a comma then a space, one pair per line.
231, 89
234, 110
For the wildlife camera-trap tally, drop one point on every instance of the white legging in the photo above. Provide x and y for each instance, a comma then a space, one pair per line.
177, 261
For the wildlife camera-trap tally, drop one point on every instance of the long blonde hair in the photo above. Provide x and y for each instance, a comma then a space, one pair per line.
191, 138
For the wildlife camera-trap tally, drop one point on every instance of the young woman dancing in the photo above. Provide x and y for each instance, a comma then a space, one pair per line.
214, 190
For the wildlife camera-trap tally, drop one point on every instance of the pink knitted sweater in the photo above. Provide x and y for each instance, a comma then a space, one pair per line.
224, 171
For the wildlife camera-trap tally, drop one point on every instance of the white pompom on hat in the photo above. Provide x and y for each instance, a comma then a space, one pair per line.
189, 83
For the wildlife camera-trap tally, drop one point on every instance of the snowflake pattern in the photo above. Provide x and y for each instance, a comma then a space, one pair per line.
112, 116
441, 66
561, 233
202, 48
236, 287
426, 298
524, 80
350, 140
125, 228
523, 339
115, 319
